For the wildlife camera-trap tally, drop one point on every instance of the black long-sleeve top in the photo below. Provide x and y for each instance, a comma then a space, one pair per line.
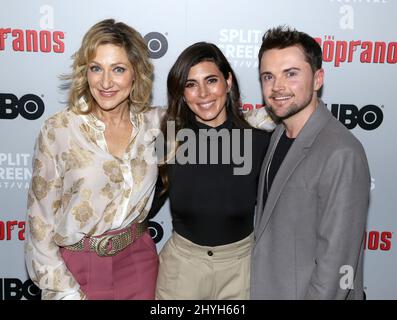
210, 204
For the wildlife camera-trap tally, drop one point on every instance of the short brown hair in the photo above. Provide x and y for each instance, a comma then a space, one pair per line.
283, 37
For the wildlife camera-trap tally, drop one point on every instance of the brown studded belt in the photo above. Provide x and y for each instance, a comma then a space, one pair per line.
108, 245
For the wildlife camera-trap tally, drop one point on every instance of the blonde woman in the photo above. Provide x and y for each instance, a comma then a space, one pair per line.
92, 187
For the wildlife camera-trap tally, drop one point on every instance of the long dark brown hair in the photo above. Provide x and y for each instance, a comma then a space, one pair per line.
178, 111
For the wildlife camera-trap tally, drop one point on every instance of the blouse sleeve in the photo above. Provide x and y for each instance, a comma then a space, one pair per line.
259, 119
43, 260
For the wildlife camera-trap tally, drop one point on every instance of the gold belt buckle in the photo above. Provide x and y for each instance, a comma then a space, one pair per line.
102, 245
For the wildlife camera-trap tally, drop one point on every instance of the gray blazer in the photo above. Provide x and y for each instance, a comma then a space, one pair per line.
309, 236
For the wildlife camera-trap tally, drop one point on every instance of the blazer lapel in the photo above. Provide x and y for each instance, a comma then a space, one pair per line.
295, 155
261, 185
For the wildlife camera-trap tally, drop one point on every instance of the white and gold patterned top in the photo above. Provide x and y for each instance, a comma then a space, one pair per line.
260, 119
79, 189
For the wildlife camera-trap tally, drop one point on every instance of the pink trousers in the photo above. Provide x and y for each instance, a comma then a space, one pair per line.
130, 274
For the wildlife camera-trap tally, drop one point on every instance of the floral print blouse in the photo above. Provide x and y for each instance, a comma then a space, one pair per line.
79, 189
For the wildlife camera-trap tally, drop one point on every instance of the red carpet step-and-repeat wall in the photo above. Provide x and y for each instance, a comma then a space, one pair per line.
359, 41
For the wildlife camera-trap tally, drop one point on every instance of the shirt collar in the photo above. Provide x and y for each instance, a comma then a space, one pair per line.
91, 120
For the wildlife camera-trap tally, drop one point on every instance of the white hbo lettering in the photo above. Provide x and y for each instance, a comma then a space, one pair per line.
240, 46
14, 170
347, 280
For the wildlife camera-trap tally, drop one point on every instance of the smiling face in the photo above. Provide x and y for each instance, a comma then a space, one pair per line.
110, 77
288, 84
206, 93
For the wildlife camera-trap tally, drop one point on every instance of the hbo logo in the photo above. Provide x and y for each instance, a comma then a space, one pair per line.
15, 289
156, 231
157, 44
29, 106
368, 117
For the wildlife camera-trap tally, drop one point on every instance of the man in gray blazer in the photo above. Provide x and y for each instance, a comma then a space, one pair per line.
314, 186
